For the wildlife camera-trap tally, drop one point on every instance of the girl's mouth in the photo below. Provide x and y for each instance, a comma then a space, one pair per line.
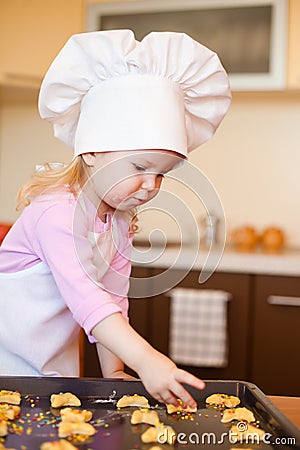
139, 201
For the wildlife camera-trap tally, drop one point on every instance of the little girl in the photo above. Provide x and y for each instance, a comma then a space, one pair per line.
131, 111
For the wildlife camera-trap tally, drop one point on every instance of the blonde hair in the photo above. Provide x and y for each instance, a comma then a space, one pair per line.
53, 177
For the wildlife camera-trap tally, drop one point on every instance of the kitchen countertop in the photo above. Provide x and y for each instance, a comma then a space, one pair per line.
290, 406
188, 257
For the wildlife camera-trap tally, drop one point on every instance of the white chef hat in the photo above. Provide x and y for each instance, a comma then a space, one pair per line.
106, 91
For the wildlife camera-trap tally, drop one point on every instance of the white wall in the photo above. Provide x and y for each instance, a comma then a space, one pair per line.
253, 161
25, 140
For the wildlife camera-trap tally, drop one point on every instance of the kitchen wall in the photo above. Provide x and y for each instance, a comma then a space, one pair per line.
25, 140
253, 162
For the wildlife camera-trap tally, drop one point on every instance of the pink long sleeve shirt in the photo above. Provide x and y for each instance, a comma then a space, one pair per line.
88, 260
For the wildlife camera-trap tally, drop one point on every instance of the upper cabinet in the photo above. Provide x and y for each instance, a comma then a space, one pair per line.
31, 34
33, 31
250, 36
293, 60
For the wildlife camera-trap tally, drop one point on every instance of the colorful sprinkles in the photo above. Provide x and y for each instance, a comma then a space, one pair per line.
28, 422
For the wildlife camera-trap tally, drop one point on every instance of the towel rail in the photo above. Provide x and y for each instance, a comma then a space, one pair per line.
283, 300
223, 295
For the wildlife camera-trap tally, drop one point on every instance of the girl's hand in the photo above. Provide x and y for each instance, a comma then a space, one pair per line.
163, 380
122, 374
111, 365
160, 376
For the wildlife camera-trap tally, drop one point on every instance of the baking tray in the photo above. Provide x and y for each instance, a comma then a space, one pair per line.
38, 422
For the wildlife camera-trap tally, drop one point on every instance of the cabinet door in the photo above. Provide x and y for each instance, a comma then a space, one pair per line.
139, 314
276, 335
293, 60
139, 303
89, 361
32, 33
238, 311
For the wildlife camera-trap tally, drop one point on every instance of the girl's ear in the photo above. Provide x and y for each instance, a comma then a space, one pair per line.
89, 158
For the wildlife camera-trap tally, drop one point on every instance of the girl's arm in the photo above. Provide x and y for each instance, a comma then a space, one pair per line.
111, 365
160, 376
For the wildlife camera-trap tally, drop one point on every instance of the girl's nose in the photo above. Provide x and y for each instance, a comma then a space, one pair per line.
150, 182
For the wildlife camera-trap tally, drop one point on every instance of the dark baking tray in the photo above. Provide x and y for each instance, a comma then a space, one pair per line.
38, 423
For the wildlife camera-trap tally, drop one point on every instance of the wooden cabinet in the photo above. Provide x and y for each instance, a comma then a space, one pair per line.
238, 311
89, 362
275, 328
31, 34
33, 31
139, 312
152, 318
263, 326
140, 304
293, 54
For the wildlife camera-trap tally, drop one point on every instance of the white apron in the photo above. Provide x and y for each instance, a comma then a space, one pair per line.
38, 335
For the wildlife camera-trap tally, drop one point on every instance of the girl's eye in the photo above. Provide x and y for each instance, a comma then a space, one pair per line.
139, 168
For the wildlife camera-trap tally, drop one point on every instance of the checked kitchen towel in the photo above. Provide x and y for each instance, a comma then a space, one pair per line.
198, 327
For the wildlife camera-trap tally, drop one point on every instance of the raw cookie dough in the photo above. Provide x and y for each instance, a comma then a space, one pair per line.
62, 444
70, 428
3, 428
162, 434
181, 408
144, 416
230, 401
133, 400
250, 435
75, 415
238, 414
9, 412
64, 399
12, 397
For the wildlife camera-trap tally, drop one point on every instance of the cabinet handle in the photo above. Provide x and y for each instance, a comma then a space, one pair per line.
283, 300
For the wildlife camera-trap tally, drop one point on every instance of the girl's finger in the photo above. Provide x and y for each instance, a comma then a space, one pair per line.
170, 398
181, 376
185, 377
157, 397
160, 399
180, 392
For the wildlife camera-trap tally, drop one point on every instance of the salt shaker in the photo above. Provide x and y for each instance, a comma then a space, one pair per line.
210, 223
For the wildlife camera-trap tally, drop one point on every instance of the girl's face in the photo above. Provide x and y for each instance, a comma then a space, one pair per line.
126, 179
